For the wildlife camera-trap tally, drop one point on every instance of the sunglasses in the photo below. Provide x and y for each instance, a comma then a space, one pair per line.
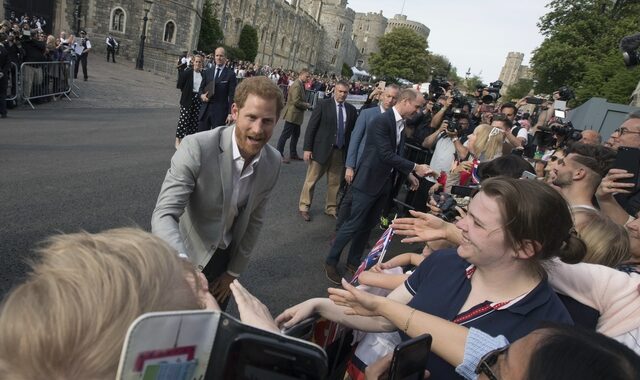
489, 360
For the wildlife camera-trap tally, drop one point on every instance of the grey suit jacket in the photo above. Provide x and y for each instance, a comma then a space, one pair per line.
196, 196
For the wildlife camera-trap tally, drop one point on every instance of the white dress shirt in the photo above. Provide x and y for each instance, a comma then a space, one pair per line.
242, 181
197, 80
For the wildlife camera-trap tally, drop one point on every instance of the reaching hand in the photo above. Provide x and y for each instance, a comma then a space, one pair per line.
229, 120
204, 97
252, 311
357, 301
295, 314
608, 186
422, 228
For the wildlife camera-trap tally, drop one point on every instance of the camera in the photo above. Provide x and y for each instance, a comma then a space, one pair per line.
494, 92
439, 86
630, 50
566, 130
566, 93
455, 115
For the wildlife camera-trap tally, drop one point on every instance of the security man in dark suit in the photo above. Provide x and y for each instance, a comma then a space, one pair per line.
4, 77
325, 148
216, 107
381, 164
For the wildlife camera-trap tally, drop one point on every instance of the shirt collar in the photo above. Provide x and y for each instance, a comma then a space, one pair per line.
236, 151
396, 114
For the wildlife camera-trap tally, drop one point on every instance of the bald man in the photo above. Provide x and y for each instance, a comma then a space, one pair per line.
591, 137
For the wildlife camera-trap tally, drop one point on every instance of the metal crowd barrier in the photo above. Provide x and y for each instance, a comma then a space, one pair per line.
13, 83
312, 97
413, 200
44, 79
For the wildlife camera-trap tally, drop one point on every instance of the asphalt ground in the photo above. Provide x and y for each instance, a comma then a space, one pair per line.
66, 169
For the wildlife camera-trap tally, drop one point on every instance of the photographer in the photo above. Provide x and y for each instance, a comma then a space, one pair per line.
443, 141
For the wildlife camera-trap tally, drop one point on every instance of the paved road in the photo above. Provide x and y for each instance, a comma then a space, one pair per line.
70, 169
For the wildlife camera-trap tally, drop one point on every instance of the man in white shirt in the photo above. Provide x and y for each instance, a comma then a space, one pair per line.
112, 44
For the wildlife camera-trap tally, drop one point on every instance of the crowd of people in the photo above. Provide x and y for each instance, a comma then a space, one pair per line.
23, 39
535, 273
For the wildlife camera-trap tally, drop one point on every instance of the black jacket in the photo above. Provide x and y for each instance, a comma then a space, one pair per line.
322, 129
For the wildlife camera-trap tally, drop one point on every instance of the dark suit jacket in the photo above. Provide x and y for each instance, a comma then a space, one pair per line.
322, 129
380, 159
185, 85
225, 89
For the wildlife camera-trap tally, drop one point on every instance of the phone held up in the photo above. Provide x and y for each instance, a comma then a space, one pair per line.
410, 358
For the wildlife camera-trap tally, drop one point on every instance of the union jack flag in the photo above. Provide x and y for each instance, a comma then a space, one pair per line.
375, 255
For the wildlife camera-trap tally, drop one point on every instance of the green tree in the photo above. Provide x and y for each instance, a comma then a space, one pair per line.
519, 90
403, 54
234, 53
346, 71
211, 35
581, 49
248, 42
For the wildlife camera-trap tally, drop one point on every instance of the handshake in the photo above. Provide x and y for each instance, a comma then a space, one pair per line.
423, 170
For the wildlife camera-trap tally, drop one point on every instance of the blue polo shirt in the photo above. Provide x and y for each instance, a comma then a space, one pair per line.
440, 287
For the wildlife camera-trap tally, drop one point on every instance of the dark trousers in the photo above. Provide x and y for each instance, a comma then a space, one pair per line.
82, 59
344, 208
293, 131
365, 213
217, 266
213, 117
111, 51
4, 81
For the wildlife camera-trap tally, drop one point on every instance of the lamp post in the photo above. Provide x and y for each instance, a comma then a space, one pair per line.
140, 61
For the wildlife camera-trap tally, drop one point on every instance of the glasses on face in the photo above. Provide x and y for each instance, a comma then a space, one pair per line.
624, 130
489, 360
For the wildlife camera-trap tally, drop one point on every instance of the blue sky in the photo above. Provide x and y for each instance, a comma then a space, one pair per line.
475, 34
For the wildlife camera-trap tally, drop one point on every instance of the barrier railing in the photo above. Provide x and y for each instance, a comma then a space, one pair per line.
44, 79
13, 83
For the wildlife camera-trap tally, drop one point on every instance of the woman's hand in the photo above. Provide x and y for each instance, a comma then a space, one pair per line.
296, 314
422, 228
357, 301
463, 167
252, 311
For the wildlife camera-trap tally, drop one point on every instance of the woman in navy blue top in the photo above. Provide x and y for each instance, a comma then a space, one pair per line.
494, 281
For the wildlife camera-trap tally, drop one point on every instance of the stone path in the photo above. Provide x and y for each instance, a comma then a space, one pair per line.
118, 85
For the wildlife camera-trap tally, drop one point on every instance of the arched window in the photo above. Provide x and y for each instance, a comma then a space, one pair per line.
118, 20
333, 60
337, 45
169, 32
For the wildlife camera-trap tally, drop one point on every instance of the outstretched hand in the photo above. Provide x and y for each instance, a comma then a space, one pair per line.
422, 228
357, 301
252, 311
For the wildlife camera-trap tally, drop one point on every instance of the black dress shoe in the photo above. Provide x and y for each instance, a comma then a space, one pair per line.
296, 158
332, 274
305, 215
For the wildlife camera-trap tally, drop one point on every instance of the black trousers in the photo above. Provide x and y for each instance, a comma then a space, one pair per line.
216, 267
290, 131
111, 51
4, 81
82, 59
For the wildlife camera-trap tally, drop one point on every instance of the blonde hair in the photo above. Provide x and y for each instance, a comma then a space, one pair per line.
607, 242
69, 318
489, 146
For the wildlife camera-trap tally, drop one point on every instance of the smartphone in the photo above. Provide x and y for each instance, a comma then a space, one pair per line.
629, 160
528, 175
382, 84
410, 359
261, 357
534, 100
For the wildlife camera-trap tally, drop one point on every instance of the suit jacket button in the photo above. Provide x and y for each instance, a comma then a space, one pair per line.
200, 267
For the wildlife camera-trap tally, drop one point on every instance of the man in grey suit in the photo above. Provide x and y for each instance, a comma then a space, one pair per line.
212, 202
